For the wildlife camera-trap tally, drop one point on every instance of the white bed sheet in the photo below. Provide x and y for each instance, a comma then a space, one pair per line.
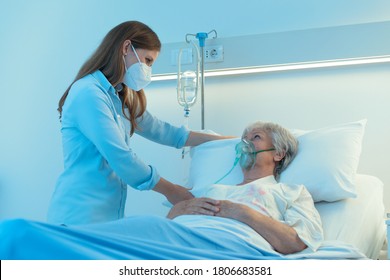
358, 221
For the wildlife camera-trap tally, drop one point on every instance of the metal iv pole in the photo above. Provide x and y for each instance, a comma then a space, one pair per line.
202, 36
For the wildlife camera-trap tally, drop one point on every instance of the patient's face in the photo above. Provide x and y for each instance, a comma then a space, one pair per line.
262, 141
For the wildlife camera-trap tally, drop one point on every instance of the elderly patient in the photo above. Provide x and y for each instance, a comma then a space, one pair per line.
283, 215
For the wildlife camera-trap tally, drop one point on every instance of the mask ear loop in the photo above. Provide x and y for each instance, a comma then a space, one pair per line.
124, 60
136, 54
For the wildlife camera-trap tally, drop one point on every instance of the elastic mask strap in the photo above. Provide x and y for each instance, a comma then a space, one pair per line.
124, 60
136, 54
267, 150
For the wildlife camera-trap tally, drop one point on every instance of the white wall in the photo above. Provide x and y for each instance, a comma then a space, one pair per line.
43, 44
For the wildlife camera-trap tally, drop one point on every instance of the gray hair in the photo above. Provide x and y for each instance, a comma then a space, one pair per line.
282, 140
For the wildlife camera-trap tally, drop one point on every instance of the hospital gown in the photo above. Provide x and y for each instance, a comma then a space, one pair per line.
289, 204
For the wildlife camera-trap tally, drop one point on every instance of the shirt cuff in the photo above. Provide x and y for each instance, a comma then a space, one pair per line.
151, 182
183, 135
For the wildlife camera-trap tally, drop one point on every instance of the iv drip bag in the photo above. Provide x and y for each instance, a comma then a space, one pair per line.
188, 82
187, 89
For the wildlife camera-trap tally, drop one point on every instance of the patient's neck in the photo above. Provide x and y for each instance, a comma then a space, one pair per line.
255, 173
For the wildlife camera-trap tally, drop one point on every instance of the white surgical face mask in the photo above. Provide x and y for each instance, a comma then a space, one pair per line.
138, 75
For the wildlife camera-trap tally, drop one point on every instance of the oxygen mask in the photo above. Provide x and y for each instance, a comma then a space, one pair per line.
246, 153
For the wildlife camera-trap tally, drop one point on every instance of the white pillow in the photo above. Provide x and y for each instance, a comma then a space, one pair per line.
326, 162
210, 162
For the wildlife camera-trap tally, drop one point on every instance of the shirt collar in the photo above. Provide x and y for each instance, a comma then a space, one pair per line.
99, 76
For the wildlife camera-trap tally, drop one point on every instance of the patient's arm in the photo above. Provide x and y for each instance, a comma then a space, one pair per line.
282, 238
195, 206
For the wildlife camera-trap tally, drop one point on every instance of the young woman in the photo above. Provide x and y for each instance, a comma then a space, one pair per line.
98, 161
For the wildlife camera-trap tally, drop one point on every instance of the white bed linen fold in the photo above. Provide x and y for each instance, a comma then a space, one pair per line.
357, 221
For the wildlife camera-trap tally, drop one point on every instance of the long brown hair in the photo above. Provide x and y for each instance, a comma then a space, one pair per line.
108, 59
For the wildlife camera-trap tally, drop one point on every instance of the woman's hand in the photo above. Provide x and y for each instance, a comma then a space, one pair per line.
195, 206
174, 193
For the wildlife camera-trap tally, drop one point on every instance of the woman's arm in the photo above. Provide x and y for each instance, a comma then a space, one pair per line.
164, 133
283, 238
197, 138
174, 193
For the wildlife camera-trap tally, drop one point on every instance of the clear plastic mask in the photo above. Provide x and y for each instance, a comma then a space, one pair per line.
246, 153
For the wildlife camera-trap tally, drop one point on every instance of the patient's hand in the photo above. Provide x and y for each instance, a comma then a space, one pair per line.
283, 238
229, 209
195, 206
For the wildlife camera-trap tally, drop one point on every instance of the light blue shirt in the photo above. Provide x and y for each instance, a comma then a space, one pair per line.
98, 161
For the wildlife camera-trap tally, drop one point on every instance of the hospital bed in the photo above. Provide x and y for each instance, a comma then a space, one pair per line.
350, 205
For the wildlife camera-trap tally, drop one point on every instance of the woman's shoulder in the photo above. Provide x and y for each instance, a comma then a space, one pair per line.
84, 84
85, 92
86, 87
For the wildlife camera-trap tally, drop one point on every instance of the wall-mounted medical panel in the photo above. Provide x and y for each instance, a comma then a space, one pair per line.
300, 46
